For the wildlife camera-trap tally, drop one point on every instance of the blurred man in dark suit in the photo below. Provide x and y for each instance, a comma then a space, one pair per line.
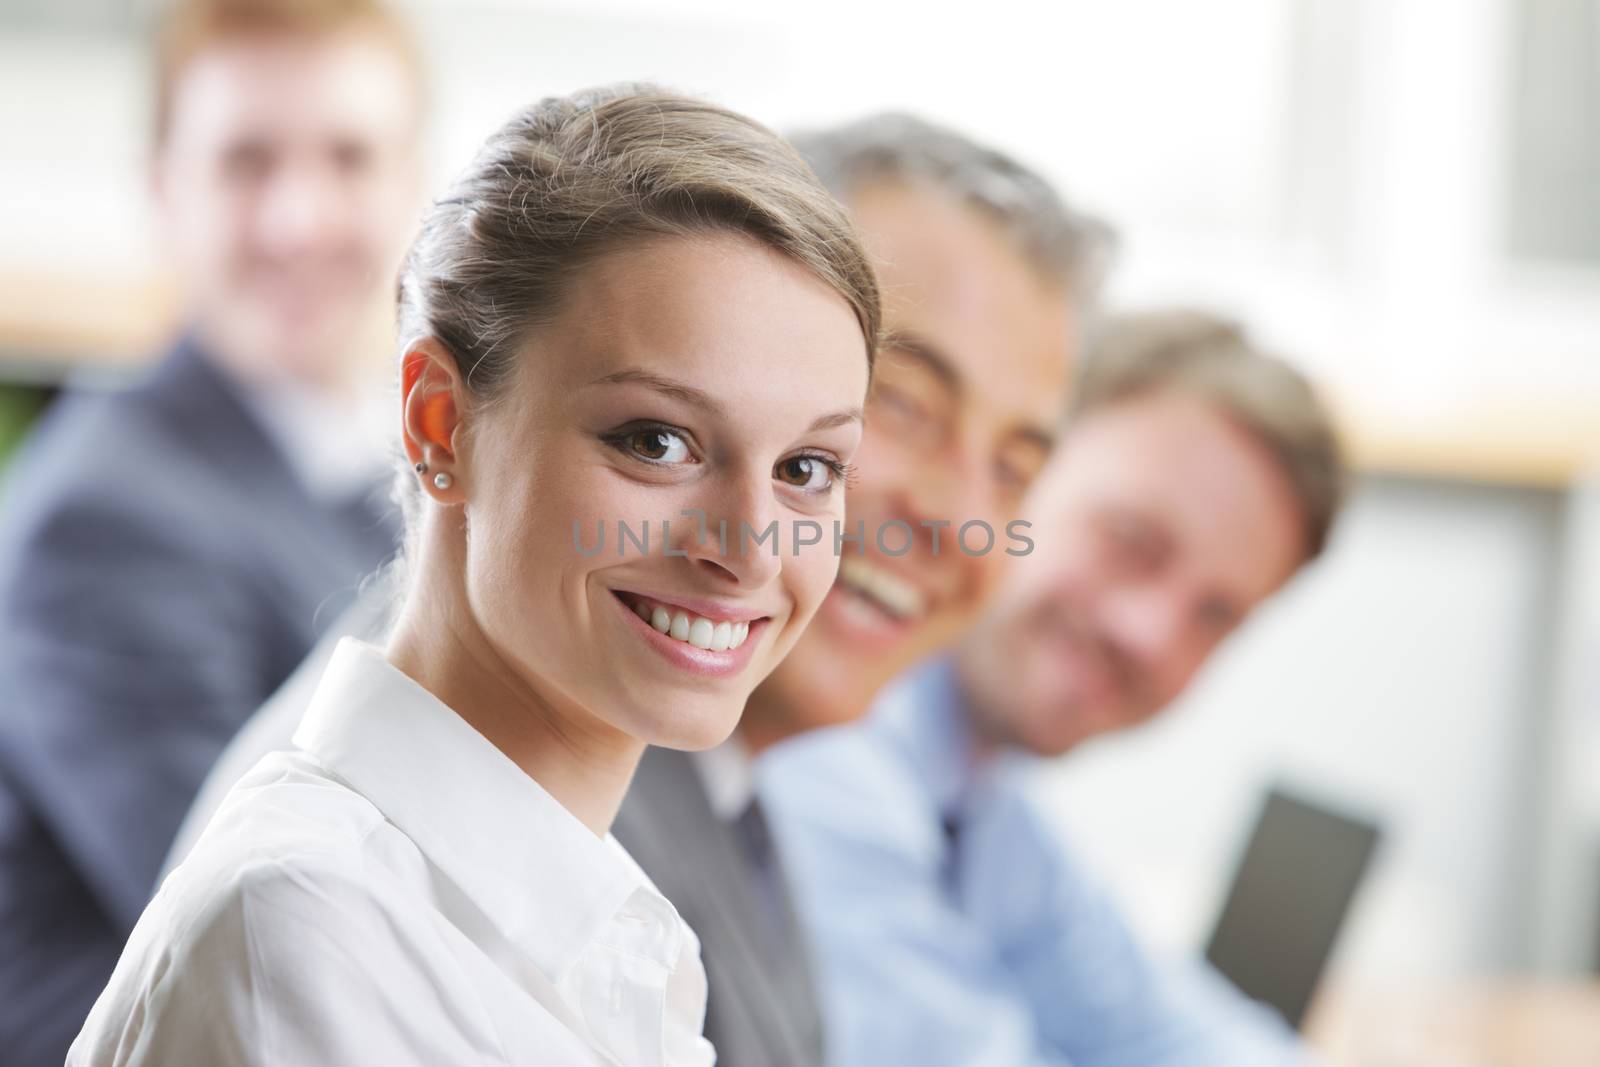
170, 550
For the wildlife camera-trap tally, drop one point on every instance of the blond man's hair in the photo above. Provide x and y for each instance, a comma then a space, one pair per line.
1198, 354
187, 28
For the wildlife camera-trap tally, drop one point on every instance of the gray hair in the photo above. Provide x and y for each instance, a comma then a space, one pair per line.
1060, 242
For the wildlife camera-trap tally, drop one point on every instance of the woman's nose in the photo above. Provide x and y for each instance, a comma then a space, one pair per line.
736, 533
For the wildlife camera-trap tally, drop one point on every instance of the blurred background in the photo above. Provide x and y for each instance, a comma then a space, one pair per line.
1403, 196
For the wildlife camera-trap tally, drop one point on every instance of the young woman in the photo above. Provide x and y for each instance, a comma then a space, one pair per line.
632, 306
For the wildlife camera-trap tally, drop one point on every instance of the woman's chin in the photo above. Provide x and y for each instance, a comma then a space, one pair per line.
704, 724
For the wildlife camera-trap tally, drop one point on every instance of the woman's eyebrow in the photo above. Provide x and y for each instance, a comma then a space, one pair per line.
838, 418
700, 398
667, 386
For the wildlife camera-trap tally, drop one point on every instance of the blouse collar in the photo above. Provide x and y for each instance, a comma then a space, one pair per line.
538, 873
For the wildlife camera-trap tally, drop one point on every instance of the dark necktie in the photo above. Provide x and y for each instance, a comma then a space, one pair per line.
755, 840
950, 870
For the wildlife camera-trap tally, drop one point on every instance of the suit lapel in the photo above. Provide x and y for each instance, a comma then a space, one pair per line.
320, 551
795, 982
669, 827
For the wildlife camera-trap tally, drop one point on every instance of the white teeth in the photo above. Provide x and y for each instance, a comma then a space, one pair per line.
680, 627
700, 633
693, 629
895, 595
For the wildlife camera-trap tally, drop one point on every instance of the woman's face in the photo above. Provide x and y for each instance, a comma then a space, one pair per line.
705, 374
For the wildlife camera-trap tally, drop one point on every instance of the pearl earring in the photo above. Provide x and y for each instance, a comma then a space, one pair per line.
442, 480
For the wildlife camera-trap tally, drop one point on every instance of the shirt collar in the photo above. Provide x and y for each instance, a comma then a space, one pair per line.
728, 774
336, 449
925, 716
543, 878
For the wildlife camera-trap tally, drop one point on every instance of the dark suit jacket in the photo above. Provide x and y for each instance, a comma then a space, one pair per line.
162, 570
762, 1010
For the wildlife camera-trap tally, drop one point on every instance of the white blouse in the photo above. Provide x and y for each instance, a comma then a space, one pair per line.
399, 892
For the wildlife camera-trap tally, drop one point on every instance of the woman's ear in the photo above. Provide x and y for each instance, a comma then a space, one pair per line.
432, 399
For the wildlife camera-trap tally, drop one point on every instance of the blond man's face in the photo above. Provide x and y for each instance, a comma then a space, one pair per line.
288, 185
1160, 526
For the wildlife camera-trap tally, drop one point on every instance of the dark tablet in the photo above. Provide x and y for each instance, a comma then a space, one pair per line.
1289, 899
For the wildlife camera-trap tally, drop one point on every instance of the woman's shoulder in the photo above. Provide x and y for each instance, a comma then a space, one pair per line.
291, 901
287, 830
290, 844
287, 805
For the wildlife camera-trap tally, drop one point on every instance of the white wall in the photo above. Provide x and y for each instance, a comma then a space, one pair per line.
72, 122
1331, 169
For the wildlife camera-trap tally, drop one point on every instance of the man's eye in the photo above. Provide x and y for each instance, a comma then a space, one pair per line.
1019, 463
811, 473
657, 445
1218, 616
351, 157
248, 162
1133, 543
1014, 477
899, 402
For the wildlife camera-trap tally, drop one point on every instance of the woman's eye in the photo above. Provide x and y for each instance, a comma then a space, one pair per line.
812, 473
657, 445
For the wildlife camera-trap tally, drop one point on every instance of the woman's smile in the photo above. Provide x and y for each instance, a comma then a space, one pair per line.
715, 641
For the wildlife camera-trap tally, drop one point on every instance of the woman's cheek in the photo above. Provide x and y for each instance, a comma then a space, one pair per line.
817, 567
574, 514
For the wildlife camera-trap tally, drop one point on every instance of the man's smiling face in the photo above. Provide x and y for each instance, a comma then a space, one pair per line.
966, 398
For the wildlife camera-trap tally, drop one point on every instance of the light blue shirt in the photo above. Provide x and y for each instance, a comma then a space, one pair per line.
952, 926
